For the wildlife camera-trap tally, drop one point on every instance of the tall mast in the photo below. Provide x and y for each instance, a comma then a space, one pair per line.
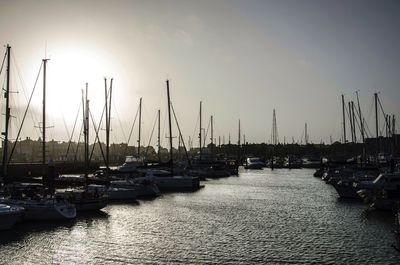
344, 120
158, 139
305, 134
44, 114
5, 133
200, 137
387, 125
179, 148
274, 129
212, 137
354, 121
86, 125
376, 123
361, 119
109, 118
393, 133
106, 106
170, 130
140, 124
274, 137
351, 122
239, 142
393, 125
107, 125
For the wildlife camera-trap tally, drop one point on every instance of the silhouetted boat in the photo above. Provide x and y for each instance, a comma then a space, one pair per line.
144, 187
254, 163
131, 164
169, 182
85, 199
9, 215
383, 193
36, 205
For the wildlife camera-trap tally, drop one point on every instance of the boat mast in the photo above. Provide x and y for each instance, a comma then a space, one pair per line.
170, 130
344, 120
158, 139
387, 125
376, 124
274, 137
393, 133
274, 129
361, 120
393, 125
238, 152
351, 122
44, 114
212, 138
140, 124
86, 126
108, 110
305, 134
354, 121
5, 133
107, 135
109, 120
200, 136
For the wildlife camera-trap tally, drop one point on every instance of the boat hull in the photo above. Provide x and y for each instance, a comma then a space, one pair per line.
85, 200
9, 216
45, 210
254, 166
91, 205
346, 191
177, 183
121, 194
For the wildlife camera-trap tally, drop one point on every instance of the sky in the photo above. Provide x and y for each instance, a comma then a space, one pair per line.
242, 59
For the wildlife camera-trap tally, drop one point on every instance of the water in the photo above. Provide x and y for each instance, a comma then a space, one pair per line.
260, 217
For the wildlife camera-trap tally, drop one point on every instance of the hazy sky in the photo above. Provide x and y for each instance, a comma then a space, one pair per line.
241, 58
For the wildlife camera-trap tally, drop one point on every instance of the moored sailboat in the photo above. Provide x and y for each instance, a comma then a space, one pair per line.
9, 215
37, 206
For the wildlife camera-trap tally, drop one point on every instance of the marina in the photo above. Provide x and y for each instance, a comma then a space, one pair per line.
199, 132
252, 218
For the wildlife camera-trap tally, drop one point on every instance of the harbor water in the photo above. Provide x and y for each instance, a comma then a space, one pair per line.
260, 217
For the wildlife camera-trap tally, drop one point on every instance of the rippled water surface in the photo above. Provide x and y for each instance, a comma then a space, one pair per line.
260, 217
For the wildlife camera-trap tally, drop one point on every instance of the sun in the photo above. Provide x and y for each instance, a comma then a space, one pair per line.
68, 71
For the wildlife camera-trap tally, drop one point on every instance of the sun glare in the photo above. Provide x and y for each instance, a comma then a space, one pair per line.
69, 70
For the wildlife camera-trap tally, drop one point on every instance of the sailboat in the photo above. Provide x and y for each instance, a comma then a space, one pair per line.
167, 180
9, 215
133, 162
85, 199
126, 180
37, 205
